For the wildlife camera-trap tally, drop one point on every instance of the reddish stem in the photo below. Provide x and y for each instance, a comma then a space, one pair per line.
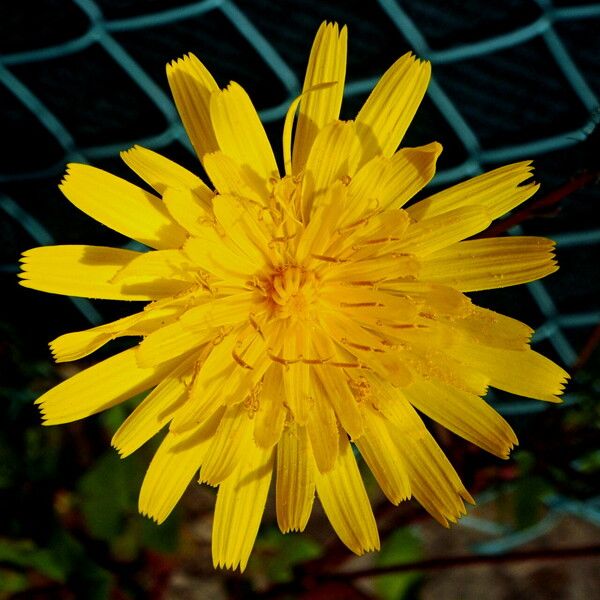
551, 199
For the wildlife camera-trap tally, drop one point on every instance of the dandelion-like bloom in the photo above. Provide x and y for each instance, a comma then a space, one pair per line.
293, 316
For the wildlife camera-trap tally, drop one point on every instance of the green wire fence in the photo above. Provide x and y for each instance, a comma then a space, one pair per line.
558, 324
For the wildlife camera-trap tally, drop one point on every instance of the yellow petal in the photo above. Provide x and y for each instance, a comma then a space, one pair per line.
388, 183
494, 329
326, 64
270, 418
498, 192
195, 327
295, 489
334, 155
232, 440
345, 330
411, 170
162, 173
465, 414
383, 458
205, 393
157, 265
229, 177
186, 208
229, 374
522, 372
321, 229
243, 228
88, 271
172, 468
288, 123
370, 307
155, 410
490, 263
391, 106
432, 298
228, 310
432, 234
342, 400
220, 257
239, 508
297, 376
170, 342
390, 266
240, 133
191, 86
99, 387
323, 433
394, 407
440, 361
433, 480
372, 235
344, 499
75, 345
122, 206
297, 390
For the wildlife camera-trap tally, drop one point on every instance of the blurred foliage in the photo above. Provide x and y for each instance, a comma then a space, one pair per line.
70, 527
275, 556
402, 546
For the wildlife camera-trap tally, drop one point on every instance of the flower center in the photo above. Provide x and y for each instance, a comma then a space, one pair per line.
292, 292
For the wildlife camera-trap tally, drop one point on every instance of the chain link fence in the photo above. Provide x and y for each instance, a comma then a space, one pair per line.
83, 80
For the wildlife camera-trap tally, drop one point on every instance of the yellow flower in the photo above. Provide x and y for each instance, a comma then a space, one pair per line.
292, 315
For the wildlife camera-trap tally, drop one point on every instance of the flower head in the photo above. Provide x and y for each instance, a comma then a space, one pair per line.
294, 314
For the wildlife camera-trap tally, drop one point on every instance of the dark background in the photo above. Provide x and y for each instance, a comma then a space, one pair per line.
82, 80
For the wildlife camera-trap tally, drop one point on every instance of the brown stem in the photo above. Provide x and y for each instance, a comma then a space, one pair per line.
466, 561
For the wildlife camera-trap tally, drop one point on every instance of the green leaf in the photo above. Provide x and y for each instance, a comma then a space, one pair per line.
528, 503
109, 493
162, 538
402, 546
25, 554
589, 462
85, 578
12, 582
276, 554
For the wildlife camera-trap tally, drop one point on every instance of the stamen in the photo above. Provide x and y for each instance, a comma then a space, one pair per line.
357, 346
257, 284
290, 213
272, 212
364, 220
384, 240
256, 326
365, 283
348, 365
282, 240
316, 361
238, 359
281, 360
221, 335
361, 304
331, 259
